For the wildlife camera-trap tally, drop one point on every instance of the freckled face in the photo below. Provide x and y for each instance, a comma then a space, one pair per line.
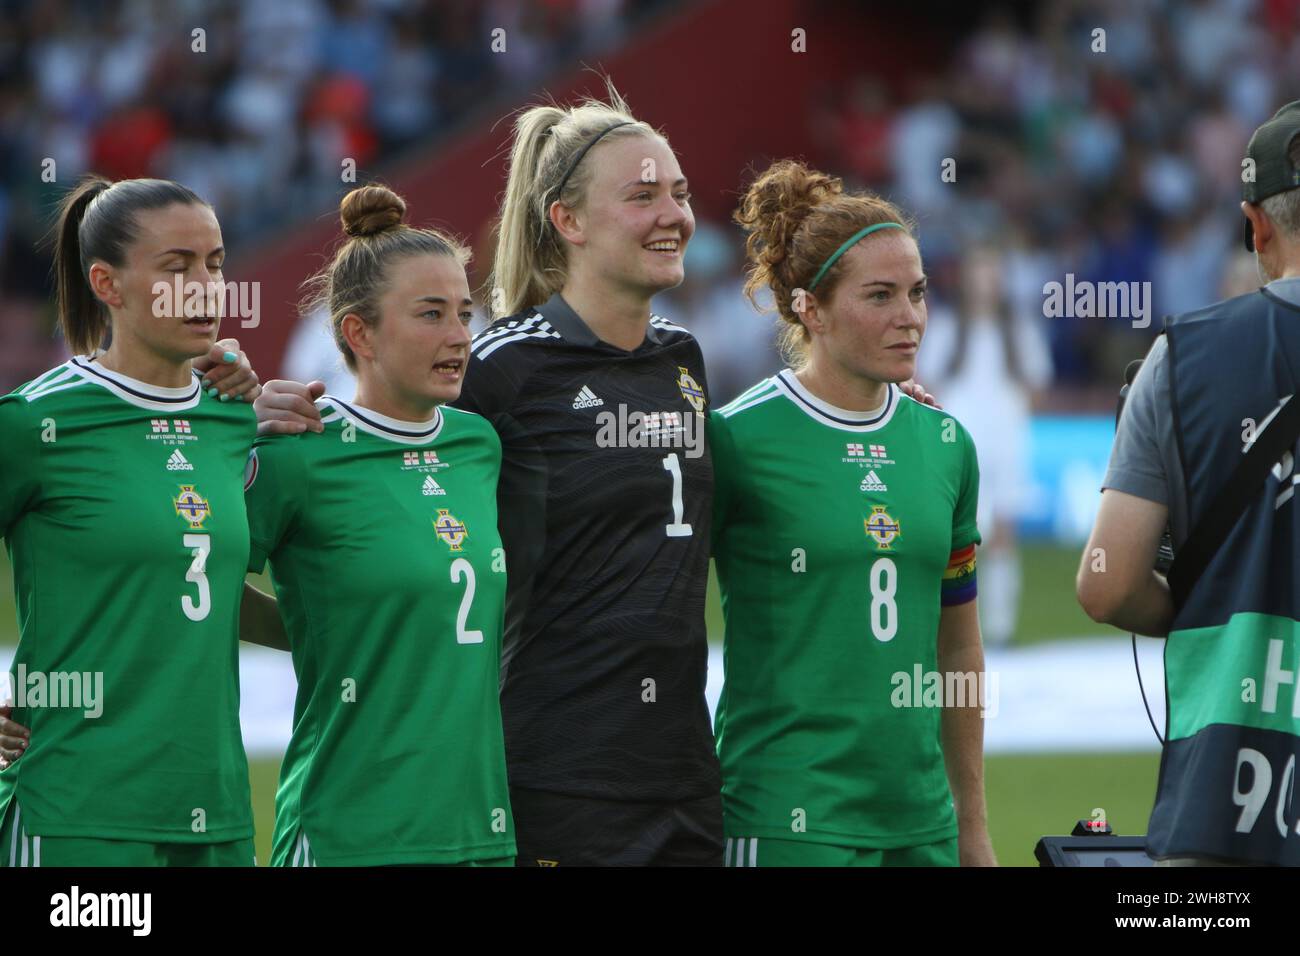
875, 319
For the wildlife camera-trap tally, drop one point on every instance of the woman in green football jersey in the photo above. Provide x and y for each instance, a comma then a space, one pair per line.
844, 536
609, 557
121, 504
602, 689
380, 526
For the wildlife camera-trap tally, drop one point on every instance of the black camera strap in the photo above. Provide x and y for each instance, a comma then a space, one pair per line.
1272, 441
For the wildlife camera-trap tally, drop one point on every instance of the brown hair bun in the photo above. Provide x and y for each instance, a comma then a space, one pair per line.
370, 210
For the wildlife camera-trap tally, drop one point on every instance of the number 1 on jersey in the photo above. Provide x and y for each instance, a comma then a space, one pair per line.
674, 467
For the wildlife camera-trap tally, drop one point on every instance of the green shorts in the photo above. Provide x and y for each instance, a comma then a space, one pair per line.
19, 848
755, 851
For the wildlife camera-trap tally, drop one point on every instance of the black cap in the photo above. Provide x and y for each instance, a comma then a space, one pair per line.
1268, 149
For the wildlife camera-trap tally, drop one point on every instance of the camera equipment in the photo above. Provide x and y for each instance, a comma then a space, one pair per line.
1164, 559
1088, 847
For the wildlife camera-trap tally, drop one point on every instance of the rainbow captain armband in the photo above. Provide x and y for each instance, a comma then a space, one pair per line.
959, 577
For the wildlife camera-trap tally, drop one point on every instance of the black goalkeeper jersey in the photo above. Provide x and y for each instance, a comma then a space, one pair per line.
604, 504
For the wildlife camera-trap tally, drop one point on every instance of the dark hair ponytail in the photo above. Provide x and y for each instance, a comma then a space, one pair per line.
81, 316
97, 221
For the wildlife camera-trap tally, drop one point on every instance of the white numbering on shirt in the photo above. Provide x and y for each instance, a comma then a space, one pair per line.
1253, 800
884, 610
200, 546
677, 529
462, 568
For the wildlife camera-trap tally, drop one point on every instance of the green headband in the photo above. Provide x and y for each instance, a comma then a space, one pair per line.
849, 242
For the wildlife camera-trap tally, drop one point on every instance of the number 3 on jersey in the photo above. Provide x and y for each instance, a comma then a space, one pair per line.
200, 546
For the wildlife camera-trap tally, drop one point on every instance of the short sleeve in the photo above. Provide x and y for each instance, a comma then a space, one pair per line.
965, 532
20, 460
1136, 465
722, 447
274, 486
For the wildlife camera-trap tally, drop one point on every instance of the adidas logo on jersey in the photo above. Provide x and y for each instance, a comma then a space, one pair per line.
872, 483
431, 487
178, 462
587, 399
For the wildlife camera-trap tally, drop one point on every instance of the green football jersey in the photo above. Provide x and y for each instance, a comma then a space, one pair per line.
384, 551
122, 508
832, 534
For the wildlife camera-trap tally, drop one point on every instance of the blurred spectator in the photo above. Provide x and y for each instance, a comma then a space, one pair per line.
1123, 160
313, 354
985, 357
739, 344
1184, 275
864, 131
925, 134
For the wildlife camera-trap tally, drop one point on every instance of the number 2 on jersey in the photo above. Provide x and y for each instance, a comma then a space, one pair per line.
462, 568
200, 546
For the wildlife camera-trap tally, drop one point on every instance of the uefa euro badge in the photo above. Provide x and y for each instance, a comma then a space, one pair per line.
691, 390
192, 506
449, 529
881, 527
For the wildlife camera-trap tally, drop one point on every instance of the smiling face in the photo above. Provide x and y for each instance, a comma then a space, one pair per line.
417, 351
635, 219
873, 324
180, 241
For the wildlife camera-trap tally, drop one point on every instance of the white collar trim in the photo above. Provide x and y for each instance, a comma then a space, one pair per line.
832, 415
138, 393
393, 429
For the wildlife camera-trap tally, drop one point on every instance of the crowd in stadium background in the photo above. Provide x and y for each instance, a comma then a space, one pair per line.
1116, 163
256, 124
1115, 168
